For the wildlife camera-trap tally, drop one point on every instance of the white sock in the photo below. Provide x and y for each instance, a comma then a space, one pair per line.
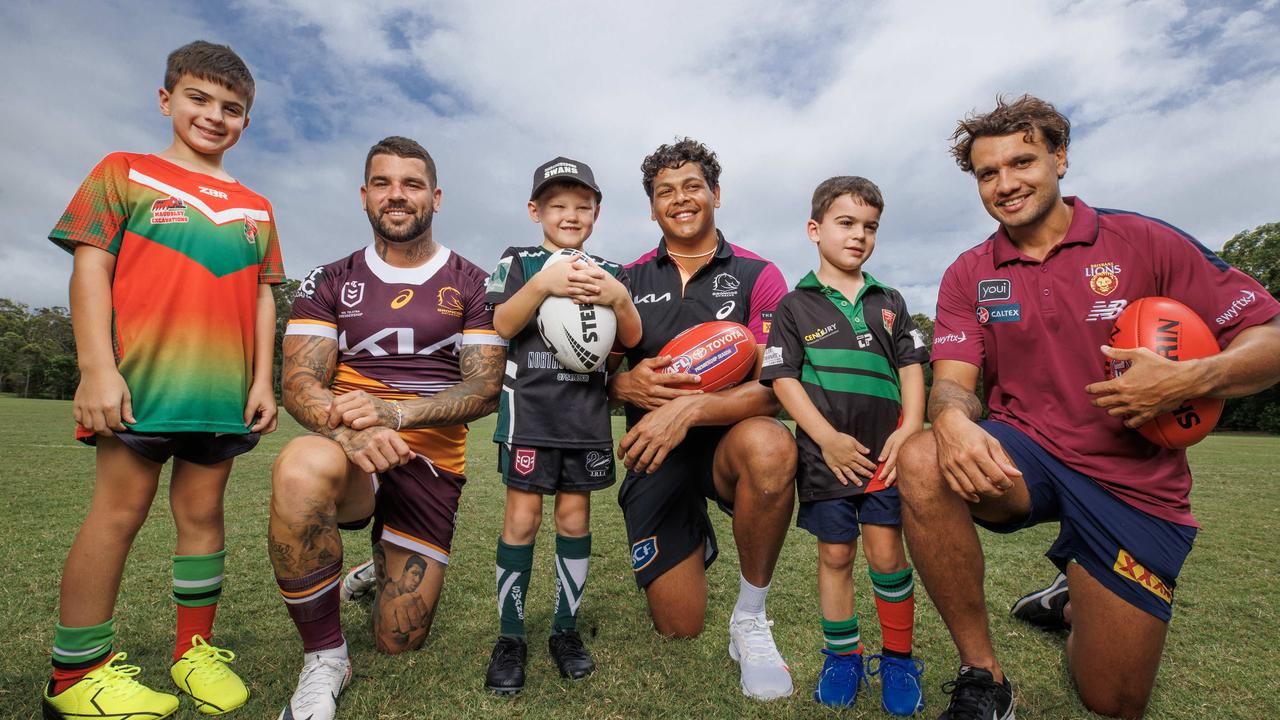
337, 652
750, 598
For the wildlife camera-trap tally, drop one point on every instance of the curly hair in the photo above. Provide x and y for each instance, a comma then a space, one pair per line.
1026, 115
401, 147
860, 188
212, 62
670, 157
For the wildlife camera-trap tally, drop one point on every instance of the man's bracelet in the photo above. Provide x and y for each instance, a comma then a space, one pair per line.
399, 413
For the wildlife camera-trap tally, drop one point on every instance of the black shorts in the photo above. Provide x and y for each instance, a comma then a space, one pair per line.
201, 448
545, 470
416, 508
666, 511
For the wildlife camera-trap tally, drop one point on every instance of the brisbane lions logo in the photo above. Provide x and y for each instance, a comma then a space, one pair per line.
449, 301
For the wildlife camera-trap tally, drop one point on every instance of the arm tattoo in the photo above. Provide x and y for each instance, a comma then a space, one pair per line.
474, 397
309, 364
947, 395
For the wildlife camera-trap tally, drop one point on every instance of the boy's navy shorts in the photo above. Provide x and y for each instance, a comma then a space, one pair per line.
546, 470
201, 448
837, 520
1134, 555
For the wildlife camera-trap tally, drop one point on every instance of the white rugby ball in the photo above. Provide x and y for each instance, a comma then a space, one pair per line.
581, 336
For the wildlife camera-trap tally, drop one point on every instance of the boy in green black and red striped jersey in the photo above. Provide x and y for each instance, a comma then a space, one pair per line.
174, 324
846, 361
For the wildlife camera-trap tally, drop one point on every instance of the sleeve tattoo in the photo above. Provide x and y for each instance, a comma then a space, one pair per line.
947, 394
474, 397
309, 363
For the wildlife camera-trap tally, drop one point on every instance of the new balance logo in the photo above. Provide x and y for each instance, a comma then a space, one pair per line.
1106, 310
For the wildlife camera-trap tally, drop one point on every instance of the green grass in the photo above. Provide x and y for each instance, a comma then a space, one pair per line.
1220, 661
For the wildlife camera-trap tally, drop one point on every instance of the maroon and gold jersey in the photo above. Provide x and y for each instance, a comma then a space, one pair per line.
190, 252
399, 332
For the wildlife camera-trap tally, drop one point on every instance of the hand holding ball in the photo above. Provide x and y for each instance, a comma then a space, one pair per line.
579, 335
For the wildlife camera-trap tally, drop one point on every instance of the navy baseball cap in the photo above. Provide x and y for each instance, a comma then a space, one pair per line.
564, 169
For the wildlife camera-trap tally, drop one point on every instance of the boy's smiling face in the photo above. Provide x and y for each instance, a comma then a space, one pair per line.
847, 234
208, 117
567, 213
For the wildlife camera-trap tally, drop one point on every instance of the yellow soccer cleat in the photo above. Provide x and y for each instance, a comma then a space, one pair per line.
203, 674
110, 692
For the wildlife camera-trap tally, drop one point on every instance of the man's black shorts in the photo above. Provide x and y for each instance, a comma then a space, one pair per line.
666, 511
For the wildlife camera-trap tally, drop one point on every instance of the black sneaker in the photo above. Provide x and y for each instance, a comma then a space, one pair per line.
505, 675
975, 695
1044, 608
570, 655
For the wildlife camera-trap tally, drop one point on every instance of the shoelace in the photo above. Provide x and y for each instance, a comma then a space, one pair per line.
117, 679
757, 640
316, 679
890, 674
508, 655
967, 694
570, 644
210, 661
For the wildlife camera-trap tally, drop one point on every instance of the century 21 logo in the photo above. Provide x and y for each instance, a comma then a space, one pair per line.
402, 299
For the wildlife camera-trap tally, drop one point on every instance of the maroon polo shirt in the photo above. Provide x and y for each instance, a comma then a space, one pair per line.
1034, 327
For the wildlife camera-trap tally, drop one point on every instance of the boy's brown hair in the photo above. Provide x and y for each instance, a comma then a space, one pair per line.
401, 147
1027, 115
212, 62
859, 187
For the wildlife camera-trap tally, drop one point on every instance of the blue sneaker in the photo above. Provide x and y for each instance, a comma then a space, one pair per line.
900, 692
839, 680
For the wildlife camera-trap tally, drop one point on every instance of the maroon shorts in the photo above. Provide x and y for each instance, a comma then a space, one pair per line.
416, 508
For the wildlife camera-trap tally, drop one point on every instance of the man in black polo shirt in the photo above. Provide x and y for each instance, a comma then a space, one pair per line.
683, 446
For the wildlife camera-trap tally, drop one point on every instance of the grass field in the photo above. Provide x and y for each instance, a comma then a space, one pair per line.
1222, 659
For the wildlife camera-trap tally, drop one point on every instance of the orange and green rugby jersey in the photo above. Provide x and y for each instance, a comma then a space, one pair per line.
190, 252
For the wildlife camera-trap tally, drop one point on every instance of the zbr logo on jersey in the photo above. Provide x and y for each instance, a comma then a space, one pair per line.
725, 285
402, 299
643, 552
449, 301
250, 230
211, 192
352, 293
526, 458
168, 210
888, 316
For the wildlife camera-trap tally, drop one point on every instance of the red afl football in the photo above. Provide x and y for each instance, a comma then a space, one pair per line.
721, 353
1171, 330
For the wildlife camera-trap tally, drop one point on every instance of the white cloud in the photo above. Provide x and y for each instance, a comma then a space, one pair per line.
1169, 103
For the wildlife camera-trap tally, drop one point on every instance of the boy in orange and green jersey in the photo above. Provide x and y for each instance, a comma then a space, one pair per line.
174, 325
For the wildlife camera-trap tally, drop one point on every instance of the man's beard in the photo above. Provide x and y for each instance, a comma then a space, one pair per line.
421, 223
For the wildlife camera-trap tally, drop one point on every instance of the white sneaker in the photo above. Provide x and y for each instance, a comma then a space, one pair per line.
359, 582
323, 678
765, 675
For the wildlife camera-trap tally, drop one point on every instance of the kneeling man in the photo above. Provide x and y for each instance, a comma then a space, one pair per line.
388, 353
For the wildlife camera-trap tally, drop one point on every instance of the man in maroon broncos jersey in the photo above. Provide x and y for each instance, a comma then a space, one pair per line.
388, 353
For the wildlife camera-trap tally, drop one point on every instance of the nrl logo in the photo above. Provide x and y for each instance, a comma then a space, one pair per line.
352, 293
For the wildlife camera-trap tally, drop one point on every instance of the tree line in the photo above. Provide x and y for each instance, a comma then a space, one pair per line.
38, 354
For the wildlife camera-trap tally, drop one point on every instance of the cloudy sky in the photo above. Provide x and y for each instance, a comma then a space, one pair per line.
1175, 107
